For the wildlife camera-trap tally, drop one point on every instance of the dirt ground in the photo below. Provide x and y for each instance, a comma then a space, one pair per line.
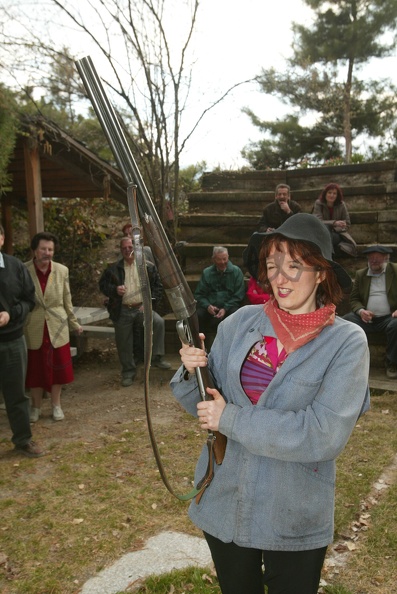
96, 401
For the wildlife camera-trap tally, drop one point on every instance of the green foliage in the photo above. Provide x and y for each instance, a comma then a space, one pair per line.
84, 129
320, 83
75, 223
89, 131
189, 177
290, 141
336, 590
8, 134
189, 181
192, 579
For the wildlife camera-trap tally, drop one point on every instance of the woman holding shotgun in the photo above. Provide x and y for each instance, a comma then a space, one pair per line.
291, 380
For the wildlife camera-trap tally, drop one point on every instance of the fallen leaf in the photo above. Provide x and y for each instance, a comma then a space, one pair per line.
341, 548
206, 578
351, 546
77, 520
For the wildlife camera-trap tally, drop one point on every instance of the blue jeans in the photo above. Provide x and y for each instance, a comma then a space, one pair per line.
240, 569
13, 361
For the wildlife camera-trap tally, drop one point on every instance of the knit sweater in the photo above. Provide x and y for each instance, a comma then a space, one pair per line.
16, 297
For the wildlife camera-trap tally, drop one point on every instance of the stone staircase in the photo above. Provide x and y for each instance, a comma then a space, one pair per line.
227, 211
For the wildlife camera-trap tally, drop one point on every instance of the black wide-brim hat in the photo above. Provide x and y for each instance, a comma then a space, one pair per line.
301, 227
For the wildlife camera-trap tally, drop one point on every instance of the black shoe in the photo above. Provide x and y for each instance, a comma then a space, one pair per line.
30, 449
128, 381
160, 363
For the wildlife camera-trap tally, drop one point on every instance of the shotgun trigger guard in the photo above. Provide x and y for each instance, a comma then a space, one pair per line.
184, 333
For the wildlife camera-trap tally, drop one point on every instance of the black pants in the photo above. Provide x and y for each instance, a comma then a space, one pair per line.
209, 323
385, 324
13, 360
240, 569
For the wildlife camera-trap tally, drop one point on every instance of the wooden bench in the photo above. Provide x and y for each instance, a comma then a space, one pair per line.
79, 343
90, 331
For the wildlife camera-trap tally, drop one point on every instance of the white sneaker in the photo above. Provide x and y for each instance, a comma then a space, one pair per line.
57, 413
34, 414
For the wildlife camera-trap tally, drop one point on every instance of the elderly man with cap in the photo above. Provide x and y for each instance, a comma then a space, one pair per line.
373, 301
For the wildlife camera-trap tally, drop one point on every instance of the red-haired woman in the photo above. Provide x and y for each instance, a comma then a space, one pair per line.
291, 380
331, 209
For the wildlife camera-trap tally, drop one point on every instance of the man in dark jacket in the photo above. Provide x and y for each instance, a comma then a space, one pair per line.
120, 283
16, 301
373, 301
277, 212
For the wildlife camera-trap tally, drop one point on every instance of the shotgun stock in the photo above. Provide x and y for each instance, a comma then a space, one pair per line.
175, 285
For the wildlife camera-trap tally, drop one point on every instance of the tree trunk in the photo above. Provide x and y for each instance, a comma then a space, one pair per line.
347, 128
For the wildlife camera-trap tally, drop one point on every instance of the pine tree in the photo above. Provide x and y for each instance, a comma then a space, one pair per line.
321, 80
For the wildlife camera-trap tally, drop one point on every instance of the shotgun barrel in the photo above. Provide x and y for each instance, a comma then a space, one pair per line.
175, 285
177, 290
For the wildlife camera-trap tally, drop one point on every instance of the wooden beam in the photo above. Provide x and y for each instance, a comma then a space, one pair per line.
34, 193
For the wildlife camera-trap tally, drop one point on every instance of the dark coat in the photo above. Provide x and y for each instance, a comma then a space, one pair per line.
273, 216
16, 296
114, 276
362, 283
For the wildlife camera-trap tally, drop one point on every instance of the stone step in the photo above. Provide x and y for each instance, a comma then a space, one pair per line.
367, 227
194, 257
297, 179
358, 198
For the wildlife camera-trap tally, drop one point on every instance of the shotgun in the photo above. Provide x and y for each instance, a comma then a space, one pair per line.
175, 285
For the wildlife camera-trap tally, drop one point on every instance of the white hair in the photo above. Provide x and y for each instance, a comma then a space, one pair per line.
218, 249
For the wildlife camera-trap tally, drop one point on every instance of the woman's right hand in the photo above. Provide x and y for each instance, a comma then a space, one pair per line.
193, 357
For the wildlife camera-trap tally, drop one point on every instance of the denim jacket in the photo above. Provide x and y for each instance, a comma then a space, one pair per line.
275, 487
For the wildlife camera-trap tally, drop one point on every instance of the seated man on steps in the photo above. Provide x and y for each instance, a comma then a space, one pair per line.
120, 283
220, 290
373, 301
278, 211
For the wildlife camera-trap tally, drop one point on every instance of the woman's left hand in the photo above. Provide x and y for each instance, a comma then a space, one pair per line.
79, 330
340, 226
210, 411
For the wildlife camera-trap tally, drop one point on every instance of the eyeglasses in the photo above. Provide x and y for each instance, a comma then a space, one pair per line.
291, 270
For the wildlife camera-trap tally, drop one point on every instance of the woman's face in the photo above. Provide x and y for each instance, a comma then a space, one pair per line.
44, 252
331, 196
294, 282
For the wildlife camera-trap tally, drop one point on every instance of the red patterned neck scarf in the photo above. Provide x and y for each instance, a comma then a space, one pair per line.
293, 331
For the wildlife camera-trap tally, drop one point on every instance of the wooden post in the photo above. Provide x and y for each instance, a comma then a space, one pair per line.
6, 222
34, 194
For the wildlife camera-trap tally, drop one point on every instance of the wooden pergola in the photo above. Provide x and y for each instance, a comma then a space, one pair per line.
49, 163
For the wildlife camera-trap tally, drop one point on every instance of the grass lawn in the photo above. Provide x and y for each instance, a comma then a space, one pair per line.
66, 516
